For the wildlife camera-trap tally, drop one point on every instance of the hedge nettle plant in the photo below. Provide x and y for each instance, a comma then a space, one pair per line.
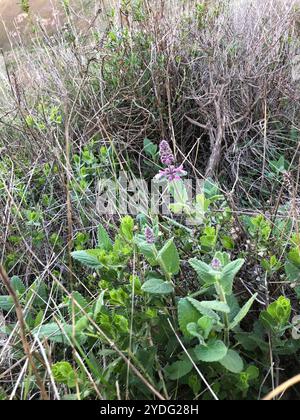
173, 285
208, 322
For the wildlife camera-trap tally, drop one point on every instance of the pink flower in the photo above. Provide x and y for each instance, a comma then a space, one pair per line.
216, 264
171, 173
150, 238
166, 155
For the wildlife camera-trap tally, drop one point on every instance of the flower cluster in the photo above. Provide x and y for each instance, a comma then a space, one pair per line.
216, 264
149, 235
171, 172
166, 155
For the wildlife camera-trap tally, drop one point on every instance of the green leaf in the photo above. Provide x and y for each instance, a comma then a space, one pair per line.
63, 373
206, 325
215, 305
292, 272
180, 194
195, 331
99, 304
213, 352
294, 257
232, 362
187, 314
179, 369
127, 227
74, 311
148, 250
82, 324
39, 318
281, 310
104, 241
18, 285
243, 312
168, 258
157, 287
62, 334
228, 274
228, 243
205, 272
150, 148
6, 303
88, 258
202, 309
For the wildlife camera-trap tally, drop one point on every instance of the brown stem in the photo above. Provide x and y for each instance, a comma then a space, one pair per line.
25, 343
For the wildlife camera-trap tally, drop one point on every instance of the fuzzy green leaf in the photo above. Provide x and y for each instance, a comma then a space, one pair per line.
6, 303
187, 314
157, 287
228, 274
205, 272
232, 362
168, 258
104, 241
243, 312
88, 258
179, 369
213, 352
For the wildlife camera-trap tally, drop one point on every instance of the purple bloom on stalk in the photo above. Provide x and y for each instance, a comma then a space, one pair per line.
171, 173
149, 236
216, 264
166, 155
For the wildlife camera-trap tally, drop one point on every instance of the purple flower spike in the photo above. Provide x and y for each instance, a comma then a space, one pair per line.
171, 173
166, 155
149, 236
216, 264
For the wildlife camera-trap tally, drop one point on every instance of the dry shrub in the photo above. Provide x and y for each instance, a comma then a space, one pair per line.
215, 78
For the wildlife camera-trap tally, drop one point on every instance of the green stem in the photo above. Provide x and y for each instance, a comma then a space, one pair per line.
223, 299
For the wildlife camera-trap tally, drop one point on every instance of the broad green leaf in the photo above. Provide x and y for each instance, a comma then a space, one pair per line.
228, 243
54, 333
104, 241
89, 258
228, 274
127, 227
243, 312
37, 294
202, 309
157, 287
168, 258
206, 325
150, 148
205, 272
292, 272
148, 250
195, 331
18, 285
233, 362
294, 257
180, 193
277, 315
6, 303
215, 305
213, 352
187, 314
63, 373
81, 324
179, 369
